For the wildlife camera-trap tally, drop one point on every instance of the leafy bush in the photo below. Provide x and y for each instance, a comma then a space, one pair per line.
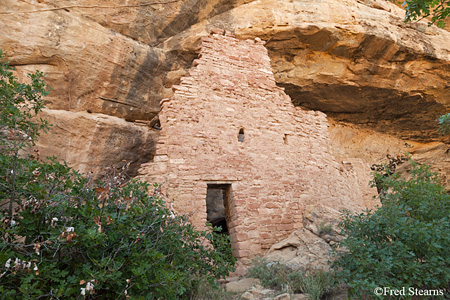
19, 127
113, 235
444, 123
420, 9
63, 236
405, 242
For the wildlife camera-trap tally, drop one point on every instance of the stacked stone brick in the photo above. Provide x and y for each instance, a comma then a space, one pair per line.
283, 163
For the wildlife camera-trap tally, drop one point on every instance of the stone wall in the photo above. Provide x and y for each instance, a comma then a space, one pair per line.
229, 125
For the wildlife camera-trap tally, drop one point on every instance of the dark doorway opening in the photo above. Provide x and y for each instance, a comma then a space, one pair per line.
241, 135
217, 203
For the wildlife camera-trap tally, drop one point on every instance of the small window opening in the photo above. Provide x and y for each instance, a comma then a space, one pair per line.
285, 139
217, 201
241, 135
157, 125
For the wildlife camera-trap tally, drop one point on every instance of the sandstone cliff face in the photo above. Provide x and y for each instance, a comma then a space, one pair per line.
79, 137
374, 147
91, 69
354, 60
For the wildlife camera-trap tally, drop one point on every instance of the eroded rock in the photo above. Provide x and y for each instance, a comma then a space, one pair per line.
241, 285
79, 137
372, 147
301, 250
285, 296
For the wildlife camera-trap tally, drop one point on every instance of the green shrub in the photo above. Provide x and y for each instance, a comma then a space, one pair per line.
325, 228
205, 290
113, 235
435, 11
316, 284
405, 242
65, 237
19, 128
273, 275
278, 276
444, 124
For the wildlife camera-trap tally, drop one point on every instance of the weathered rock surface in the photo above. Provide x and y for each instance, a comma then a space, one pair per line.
90, 67
241, 285
302, 250
309, 248
299, 297
150, 22
79, 137
284, 296
374, 147
258, 292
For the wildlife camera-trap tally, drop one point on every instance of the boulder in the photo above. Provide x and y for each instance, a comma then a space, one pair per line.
301, 250
284, 296
241, 285
299, 297
92, 142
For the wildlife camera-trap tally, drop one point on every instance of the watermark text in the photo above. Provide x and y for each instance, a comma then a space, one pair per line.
406, 291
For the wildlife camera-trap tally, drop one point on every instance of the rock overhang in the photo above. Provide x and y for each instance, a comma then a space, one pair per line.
347, 57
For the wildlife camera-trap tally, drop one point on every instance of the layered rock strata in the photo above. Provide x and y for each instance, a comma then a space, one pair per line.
91, 70
78, 137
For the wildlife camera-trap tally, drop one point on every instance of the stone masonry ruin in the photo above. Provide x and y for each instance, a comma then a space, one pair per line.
235, 151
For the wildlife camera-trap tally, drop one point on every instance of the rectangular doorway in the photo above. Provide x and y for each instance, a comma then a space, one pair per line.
217, 205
